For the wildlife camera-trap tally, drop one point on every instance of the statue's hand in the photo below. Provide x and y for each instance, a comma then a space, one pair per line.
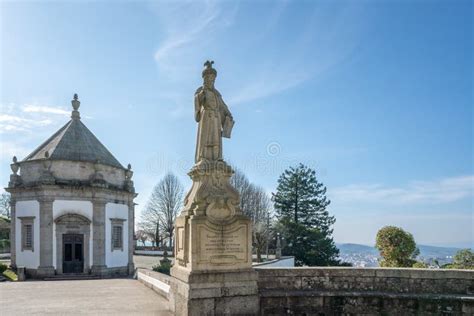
202, 95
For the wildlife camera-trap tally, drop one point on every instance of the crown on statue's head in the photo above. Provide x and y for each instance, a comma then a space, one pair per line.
208, 70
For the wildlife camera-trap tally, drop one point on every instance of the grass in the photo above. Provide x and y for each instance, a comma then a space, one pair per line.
10, 275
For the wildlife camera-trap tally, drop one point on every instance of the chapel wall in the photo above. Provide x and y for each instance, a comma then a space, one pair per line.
116, 257
29, 259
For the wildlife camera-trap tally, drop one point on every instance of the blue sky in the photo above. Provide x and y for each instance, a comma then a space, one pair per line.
377, 96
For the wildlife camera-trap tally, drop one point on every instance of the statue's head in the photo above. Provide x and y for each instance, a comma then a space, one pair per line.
209, 74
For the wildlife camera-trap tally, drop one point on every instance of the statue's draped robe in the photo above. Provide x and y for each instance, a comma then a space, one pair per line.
210, 112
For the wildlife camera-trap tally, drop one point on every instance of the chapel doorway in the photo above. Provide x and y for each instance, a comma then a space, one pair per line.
73, 253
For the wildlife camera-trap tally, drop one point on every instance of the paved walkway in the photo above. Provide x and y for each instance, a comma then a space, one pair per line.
85, 297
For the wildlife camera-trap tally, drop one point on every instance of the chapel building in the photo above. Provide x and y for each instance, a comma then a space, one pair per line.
72, 207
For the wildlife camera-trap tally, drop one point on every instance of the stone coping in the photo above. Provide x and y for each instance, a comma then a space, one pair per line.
261, 264
158, 282
366, 272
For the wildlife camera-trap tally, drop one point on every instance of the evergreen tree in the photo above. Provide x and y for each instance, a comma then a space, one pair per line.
308, 245
300, 204
302, 199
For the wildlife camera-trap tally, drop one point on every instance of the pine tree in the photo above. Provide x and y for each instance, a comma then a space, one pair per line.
300, 204
302, 199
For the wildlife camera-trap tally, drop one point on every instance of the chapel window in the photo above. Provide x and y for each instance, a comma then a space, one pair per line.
117, 233
27, 233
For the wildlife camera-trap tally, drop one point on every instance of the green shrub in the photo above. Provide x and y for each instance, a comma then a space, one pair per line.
3, 267
4, 243
397, 247
164, 267
464, 259
420, 265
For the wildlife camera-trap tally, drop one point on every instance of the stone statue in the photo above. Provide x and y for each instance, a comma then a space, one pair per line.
212, 235
214, 118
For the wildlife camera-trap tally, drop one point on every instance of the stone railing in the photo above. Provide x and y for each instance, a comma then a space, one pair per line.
158, 282
354, 291
283, 262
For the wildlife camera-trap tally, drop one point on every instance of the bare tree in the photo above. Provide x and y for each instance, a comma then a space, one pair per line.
256, 204
240, 181
5, 207
261, 205
142, 236
163, 205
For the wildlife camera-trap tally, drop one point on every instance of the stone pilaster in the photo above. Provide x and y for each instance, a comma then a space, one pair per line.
99, 266
13, 232
131, 234
46, 267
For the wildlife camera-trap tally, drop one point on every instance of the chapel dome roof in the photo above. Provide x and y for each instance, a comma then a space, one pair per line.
75, 142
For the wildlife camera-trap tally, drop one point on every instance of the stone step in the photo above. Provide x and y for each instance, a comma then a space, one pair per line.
70, 277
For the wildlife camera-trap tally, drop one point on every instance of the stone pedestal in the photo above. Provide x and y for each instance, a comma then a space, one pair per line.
214, 293
213, 272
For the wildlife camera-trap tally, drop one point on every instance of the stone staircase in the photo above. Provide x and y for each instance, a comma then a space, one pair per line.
72, 276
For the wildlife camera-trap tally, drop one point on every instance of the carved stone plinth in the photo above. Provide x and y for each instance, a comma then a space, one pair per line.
211, 232
213, 248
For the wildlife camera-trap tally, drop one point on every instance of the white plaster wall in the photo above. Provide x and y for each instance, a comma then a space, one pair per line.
27, 258
116, 258
61, 207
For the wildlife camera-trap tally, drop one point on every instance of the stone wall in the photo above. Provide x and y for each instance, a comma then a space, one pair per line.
369, 291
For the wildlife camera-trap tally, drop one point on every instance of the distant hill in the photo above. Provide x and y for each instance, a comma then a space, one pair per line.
434, 251
356, 248
357, 253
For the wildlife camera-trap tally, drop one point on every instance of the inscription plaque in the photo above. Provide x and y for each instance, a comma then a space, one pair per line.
223, 247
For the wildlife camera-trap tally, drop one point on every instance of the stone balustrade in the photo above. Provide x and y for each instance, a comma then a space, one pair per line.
327, 291
368, 291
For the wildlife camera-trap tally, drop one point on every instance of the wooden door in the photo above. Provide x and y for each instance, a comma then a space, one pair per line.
73, 253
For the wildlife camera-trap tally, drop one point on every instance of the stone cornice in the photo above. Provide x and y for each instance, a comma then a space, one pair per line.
55, 189
76, 184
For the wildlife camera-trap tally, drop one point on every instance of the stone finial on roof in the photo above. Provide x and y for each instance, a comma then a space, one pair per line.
75, 105
15, 166
129, 172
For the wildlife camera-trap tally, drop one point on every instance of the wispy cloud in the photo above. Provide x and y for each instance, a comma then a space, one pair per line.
26, 118
261, 64
417, 192
325, 40
31, 108
189, 28
20, 124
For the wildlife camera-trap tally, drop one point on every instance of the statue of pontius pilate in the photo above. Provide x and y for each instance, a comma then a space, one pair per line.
212, 235
213, 116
